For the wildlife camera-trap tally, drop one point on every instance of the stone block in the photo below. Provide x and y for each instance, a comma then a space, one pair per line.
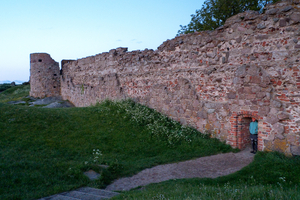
282, 22
287, 8
261, 26
272, 11
231, 95
278, 128
295, 150
268, 145
295, 17
283, 116
255, 79
263, 111
238, 39
262, 37
272, 119
280, 145
293, 139
241, 71
279, 136
264, 18
202, 114
276, 103
209, 111
260, 95
256, 89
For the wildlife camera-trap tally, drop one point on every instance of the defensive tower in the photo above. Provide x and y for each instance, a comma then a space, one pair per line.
44, 76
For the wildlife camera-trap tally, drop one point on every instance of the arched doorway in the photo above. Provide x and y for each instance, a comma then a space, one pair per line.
239, 135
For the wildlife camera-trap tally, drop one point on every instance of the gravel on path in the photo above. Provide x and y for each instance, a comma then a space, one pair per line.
204, 167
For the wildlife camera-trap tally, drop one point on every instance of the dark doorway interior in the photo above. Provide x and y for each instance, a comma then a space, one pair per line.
244, 136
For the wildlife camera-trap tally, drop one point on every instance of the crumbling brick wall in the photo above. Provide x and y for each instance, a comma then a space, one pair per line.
211, 80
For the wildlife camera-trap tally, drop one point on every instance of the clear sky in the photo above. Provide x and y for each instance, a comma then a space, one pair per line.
72, 29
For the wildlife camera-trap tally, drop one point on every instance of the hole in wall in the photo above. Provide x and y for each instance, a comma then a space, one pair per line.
54, 86
40, 60
55, 74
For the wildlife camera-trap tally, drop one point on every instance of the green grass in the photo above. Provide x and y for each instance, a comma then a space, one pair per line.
270, 176
5, 86
45, 151
15, 93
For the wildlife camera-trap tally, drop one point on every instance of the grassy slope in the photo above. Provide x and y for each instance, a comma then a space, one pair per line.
14, 93
45, 151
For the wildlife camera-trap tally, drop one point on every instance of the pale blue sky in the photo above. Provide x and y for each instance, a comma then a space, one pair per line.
72, 29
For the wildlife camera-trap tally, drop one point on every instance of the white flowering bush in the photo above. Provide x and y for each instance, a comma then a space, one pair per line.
161, 127
97, 157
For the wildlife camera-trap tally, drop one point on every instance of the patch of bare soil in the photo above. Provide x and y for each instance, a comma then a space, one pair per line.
204, 167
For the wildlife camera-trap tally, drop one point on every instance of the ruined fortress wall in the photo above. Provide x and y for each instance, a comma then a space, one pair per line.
214, 81
44, 76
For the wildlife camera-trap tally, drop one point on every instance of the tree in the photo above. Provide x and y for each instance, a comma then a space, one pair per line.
214, 13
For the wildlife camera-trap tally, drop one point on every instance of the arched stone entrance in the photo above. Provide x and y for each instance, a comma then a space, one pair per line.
239, 136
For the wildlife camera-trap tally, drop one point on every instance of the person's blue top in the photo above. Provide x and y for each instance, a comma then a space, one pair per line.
253, 127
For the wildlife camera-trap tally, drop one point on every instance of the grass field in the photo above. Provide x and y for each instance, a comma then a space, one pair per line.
45, 151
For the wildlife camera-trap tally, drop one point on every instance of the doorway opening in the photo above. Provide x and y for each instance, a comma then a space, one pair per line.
239, 134
244, 133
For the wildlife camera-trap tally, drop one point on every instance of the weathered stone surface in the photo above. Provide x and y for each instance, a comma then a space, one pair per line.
282, 22
264, 18
295, 17
262, 111
279, 136
241, 71
276, 103
261, 26
287, 8
272, 11
280, 145
248, 67
283, 116
278, 128
239, 39
295, 150
272, 119
231, 95
16, 102
202, 114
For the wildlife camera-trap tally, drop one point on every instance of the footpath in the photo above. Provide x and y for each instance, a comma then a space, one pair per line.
204, 167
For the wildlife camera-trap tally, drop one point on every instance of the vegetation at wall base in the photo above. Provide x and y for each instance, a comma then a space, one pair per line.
46, 151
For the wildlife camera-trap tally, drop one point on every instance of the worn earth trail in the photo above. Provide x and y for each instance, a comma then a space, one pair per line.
210, 167
204, 167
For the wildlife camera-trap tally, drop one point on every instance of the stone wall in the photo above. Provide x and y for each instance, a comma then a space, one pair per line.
212, 80
44, 76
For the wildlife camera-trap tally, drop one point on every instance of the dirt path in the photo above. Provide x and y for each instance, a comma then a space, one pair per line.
210, 167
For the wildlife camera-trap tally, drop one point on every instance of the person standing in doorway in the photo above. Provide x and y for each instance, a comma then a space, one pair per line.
253, 134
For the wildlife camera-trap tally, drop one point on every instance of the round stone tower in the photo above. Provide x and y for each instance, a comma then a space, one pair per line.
44, 76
